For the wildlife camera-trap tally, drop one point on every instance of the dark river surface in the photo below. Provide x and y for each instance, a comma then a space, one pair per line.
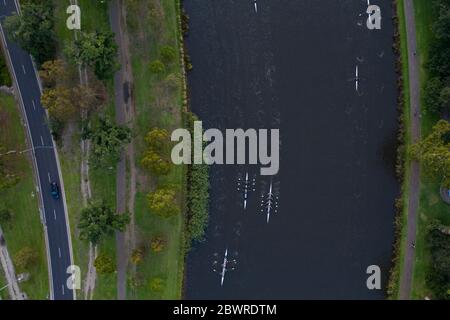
290, 66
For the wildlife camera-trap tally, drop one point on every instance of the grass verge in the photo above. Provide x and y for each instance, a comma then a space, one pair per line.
94, 18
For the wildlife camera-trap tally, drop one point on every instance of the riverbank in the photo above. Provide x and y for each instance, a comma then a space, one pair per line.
404, 142
431, 208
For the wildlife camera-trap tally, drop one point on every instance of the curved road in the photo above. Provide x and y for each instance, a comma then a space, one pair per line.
46, 164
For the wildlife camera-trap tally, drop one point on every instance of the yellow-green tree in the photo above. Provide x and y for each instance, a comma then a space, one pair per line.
157, 244
52, 71
104, 264
163, 202
434, 152
59, 103
156, 158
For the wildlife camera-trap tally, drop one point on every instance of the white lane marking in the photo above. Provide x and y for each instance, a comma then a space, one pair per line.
54, 213
62, 289
49, 178
34, 104
42, 140
23, 69
59, 252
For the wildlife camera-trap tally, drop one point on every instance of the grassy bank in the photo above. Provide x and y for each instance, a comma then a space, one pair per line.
25, 228
431, 206
156, 106
94, 18
403, 159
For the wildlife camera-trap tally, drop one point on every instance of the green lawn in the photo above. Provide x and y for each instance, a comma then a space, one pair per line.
94, 17
430, 207
26, 229
156, 107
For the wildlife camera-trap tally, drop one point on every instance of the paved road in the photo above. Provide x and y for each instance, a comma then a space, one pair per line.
54, 217
414, 182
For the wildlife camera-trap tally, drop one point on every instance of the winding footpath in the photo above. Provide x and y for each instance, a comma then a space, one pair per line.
414, 179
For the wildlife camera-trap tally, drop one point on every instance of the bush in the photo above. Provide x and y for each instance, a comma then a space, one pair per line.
5, 217
432, 92
157, 244
157, 284
168, 54
438, 279
157, 67
25, 258
173, 81
104, 264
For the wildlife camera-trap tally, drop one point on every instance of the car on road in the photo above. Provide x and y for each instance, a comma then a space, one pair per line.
54, 189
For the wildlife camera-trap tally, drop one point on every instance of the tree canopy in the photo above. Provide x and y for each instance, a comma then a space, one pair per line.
104, 264
59, 102
96, 50
107, 141
163, 202
434, 152
34, 30
99, 220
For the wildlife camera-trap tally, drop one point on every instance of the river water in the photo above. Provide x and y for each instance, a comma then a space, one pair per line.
291, 65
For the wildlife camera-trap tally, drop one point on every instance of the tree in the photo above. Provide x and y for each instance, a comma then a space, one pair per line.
59, 103
432, 94
438, 279
157, 67
434, 152
104, 264
441, 26
25, 258
168, 54
5, 217
155, 163
439, 62
137, 256
163, 203
444, 99
157, 244
99, 220
107, 141
158, 139
89, 98
34, 30
96, 50
156, 157
157, 284
52, 71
